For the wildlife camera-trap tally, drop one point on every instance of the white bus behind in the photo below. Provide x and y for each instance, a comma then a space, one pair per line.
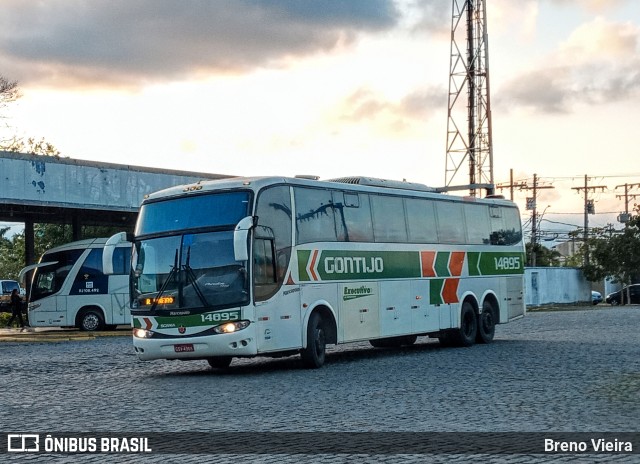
70, 289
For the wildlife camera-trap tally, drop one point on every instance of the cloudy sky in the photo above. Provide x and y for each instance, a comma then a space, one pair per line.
330, 88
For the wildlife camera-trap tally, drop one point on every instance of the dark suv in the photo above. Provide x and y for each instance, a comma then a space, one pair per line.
620, 297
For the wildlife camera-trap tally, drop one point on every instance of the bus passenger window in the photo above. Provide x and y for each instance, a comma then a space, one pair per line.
477, 219
388, 219
315, 215
451, 224
353, 217
421, 220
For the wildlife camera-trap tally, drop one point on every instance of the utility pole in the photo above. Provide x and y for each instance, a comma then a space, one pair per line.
532, 204
624, 217
589, 208
511, 185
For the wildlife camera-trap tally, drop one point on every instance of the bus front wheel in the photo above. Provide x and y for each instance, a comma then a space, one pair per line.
91, 320
313, 355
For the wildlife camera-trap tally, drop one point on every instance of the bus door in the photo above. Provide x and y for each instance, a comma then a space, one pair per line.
119, 291
277, 305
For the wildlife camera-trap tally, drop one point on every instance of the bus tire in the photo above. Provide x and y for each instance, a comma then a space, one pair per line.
313, 356
445, 338
486, 324
219, 362
91, 320
466, 334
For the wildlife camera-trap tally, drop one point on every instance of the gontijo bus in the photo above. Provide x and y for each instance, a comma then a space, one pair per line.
274, 266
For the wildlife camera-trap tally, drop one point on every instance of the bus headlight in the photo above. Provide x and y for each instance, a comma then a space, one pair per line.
33, 306
142, 333
231, 327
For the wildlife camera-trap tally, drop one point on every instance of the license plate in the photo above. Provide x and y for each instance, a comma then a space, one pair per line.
183, 348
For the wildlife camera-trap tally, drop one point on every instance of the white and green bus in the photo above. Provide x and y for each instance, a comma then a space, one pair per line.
271, 266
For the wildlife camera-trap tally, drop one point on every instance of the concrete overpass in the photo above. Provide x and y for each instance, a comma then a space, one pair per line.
45, 189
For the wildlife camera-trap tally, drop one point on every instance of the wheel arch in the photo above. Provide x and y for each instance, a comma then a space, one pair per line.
472, 300
491, 298
329, 319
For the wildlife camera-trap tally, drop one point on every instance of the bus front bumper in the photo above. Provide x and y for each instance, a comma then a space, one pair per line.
241, 343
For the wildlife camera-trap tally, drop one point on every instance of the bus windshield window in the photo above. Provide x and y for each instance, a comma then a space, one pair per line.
191, 271
193, 212
49, 279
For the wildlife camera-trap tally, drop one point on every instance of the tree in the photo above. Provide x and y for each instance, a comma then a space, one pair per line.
46, 236
615, 255
9, 93
544, 256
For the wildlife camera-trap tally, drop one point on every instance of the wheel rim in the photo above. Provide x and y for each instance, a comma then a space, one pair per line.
90, 321
487, 322
468, 324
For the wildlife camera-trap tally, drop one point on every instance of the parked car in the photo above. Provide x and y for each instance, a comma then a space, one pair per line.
596, 297
6, 287
620, 297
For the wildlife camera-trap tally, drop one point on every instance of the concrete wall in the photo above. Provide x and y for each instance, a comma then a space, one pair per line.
555, 285
65, 182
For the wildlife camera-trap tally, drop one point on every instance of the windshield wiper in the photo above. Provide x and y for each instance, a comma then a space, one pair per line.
172, 273
191, 277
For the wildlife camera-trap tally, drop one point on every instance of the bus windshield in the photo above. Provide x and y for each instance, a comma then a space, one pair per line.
195, 272
50, 276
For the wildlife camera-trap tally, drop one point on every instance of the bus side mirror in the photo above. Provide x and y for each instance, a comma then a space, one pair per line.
240, 236
109, 249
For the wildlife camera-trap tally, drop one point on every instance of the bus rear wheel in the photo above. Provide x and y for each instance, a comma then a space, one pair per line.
91, 320
313, 356
466, 334
486, 324
220, 362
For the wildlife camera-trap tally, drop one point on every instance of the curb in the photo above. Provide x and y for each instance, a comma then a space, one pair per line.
60, 335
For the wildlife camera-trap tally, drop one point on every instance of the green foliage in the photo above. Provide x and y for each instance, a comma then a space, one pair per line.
32, 147
11, 255
615, 255
9, 93
544, 256
46, 236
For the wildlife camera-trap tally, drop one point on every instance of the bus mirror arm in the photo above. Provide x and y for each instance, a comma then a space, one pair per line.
109, 248
240, 238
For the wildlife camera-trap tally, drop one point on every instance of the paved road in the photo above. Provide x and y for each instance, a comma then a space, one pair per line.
565, 371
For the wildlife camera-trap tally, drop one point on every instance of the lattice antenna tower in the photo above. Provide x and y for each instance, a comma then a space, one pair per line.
469, 110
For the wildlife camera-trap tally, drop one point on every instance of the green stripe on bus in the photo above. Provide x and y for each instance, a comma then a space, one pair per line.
435, 291
442, 264
495, 263
473, 260
357, 265
303, 260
